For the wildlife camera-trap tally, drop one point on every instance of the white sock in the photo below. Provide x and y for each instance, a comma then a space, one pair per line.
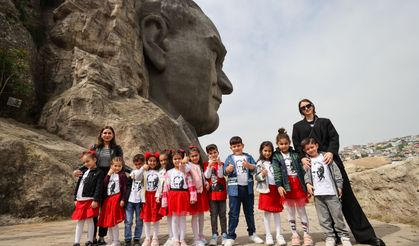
201, 225
267, 222
195, 227
175, 227
156, 230
304, 219
277, 221
182, 227
291, 219
90, 229
79, 230
169, 226
147, 230
115, 233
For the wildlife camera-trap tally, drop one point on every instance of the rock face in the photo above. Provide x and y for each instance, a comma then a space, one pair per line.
389, 193
36, 172
366, 163
15, 40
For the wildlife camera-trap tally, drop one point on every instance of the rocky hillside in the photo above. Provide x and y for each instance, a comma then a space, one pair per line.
389, 193
36, 172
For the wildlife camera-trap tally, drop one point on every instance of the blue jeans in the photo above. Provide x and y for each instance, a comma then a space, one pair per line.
248, 201
129, 212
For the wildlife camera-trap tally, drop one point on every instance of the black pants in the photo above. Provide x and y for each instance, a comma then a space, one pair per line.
218, 210
354, 216
102, 230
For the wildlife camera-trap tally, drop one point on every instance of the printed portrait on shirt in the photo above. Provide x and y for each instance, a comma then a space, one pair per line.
152, 181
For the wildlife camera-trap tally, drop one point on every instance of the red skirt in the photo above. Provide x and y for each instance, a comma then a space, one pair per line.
84, 210
297, 197
178, 203
151, 208
201, 205
272, 201
112, 213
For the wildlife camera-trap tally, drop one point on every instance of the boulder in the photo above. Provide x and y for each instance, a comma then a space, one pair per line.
36, 172
389, 193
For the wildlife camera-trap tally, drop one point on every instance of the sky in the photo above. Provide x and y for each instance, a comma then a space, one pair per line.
358, 61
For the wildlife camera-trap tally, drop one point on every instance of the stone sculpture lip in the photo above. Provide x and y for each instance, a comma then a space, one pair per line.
218, 98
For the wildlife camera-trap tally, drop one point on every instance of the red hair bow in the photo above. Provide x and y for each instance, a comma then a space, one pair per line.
89, 152
192, 147
148, 154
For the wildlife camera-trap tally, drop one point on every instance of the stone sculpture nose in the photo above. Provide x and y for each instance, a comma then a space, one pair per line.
224, 83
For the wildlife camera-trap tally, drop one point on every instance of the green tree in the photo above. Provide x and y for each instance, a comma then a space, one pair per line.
13, 67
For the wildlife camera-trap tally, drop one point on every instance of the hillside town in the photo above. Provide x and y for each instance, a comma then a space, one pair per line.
396, 149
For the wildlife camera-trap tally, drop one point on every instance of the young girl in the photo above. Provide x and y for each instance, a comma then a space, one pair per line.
112, 212
166, 165
178, 193
289, 178
269, 199
150, 212
87, 196
202, 204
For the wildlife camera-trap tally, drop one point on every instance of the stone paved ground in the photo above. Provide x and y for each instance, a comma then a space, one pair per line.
62, 232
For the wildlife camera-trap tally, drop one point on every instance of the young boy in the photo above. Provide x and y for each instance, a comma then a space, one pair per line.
239, 168
218, 193
133, 205
325, 182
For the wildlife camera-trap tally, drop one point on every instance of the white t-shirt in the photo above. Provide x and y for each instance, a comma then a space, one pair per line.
322, 179
79, 196
134, 196
177, 179
152, 180
113, 185
290, 169
242, 177
268, 166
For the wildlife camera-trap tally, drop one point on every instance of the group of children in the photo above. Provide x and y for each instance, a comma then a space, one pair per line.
177, 183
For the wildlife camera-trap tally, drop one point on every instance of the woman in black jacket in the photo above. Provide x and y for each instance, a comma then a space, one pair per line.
326, 135
106, 149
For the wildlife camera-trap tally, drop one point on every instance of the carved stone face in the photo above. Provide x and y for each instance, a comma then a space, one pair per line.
192, 81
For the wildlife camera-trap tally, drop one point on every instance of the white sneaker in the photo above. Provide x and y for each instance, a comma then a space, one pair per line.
202, 238
168, 242
213, 240
280, 240
223, 241
199, 243
330, 241
229, 242
255, 238
269, 240
346, 241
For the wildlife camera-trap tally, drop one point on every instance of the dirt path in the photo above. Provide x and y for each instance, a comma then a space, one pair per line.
62, 232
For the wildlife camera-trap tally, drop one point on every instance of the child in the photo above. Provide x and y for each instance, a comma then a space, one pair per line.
218, 194
239, 168
201, 206
166, 165
87, 196
325, 183
178, 193
133, 204
289, 178
269, 199
112, 212
150, 212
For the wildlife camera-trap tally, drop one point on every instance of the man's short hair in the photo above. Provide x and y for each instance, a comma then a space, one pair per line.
211, 147
236, 140
138, 157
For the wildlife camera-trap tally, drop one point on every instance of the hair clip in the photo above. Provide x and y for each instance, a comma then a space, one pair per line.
192, 147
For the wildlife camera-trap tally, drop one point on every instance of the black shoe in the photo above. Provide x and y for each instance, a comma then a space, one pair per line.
128, 242
88, 243
76, 244
101, 241
137, 242
375, 241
